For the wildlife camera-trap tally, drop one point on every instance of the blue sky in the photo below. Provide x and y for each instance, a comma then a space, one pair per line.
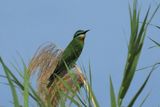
25, 25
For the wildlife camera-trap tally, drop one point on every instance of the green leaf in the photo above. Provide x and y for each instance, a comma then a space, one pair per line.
112, 94
36, 97
68, 87
91, 94
158, 27
20, 85
158, 44
139, 91
26, 87
90, 74
137, 37
12, 87
70, 98
144, 100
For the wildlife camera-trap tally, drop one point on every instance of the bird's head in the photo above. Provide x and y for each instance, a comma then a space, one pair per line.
80, 34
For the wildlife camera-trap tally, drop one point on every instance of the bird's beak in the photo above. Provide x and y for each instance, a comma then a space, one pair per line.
86, 31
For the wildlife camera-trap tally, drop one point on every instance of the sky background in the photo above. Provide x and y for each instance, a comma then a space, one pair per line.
25, 25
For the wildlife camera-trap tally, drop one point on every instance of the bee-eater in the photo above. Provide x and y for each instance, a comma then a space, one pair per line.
69, 56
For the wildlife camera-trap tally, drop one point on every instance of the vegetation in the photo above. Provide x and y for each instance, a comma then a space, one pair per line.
75, 88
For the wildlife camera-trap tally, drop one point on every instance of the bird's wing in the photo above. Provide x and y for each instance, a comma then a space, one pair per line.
45, 60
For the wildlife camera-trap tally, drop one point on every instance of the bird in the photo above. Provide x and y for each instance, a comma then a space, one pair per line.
69, 56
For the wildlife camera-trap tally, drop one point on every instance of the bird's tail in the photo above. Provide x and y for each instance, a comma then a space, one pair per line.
50, 80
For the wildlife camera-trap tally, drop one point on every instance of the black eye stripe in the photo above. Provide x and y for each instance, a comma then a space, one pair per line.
80, 34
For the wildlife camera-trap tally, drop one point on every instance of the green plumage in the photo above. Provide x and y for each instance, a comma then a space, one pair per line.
69, 56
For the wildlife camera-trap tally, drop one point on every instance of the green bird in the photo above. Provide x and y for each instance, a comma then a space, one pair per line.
69, 56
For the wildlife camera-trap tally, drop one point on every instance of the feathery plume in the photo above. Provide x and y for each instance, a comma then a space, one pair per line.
45, 61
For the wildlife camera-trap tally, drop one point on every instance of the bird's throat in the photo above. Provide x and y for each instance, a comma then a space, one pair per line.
82, 39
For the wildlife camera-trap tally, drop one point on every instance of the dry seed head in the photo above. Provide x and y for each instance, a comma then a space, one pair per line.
45, 60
